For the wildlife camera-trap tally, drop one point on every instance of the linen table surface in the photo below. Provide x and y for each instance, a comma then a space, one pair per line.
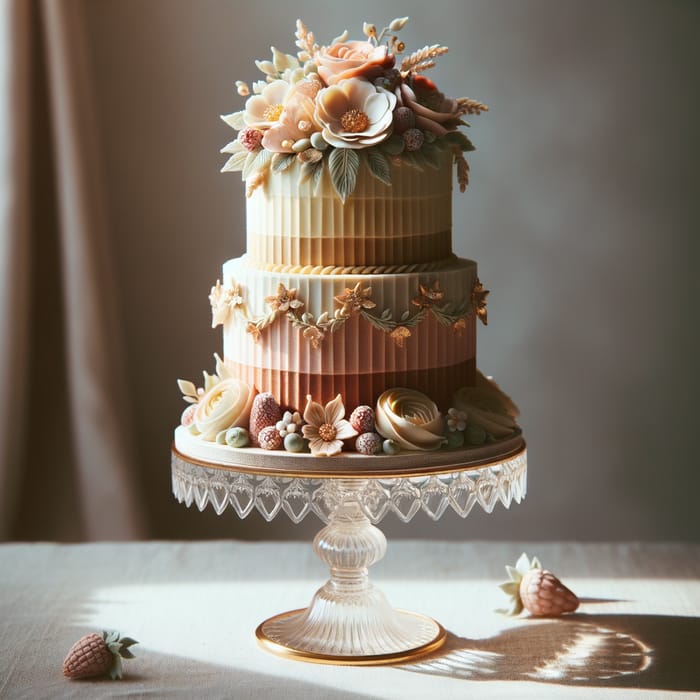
194, 608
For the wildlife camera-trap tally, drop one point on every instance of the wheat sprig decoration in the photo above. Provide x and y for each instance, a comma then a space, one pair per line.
305, 41
462, 171
422, 59
469, 106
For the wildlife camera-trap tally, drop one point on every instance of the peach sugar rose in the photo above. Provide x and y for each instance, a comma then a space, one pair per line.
352, 59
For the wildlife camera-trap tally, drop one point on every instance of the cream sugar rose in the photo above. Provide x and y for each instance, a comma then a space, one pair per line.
349, 310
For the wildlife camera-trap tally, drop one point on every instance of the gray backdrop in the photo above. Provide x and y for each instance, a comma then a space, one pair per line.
582, 215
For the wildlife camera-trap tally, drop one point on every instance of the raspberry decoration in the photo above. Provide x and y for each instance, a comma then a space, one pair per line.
536, 590
251, 139
369, 444
413, 139
269, 438
404, 119
97, 655
362, 419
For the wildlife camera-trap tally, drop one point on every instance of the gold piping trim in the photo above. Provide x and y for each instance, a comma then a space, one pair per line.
280, 268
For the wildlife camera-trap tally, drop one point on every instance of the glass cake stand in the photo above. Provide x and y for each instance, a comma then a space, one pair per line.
349, 621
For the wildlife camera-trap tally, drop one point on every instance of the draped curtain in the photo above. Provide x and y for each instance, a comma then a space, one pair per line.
66, 456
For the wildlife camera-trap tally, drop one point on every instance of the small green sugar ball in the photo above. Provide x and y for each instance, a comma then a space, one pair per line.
237, 437
293, 442
475, 435
391, 447
318, 142
455, 439
301, 145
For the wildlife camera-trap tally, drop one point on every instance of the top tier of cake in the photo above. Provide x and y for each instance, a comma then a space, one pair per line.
380, 226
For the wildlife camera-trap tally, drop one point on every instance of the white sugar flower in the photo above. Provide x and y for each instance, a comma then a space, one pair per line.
456, 420
354, 113
224, 301
326, 427
263, 111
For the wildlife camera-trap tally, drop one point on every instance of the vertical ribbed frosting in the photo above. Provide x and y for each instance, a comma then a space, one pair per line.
293, 223
358, 360
293, 231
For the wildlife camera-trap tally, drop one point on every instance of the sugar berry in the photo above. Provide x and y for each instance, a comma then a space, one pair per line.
404, 119
413, 138
250, 138
269, 438
265, 412
362, 419
368, 444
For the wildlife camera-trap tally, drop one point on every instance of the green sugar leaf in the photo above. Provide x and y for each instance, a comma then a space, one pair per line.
343, 164
378, 165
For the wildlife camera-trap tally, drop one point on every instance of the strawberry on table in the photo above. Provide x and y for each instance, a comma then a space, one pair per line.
97, 655
536, 590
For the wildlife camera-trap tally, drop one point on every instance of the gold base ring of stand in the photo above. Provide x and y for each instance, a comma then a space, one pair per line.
394, 657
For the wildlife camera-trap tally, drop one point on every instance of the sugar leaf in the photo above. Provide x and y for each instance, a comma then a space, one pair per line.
378, 165
232, 147
282, 161
256, 161
235, 120
186, 388
343, 164
236, 162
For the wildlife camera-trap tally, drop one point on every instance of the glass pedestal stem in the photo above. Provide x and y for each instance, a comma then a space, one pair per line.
349, 620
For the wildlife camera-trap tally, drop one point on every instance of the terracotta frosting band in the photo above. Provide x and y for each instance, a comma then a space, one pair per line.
362, 388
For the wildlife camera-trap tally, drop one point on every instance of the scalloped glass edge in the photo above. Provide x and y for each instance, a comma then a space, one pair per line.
504, 482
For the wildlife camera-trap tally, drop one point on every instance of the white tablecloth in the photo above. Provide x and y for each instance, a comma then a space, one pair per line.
194, 608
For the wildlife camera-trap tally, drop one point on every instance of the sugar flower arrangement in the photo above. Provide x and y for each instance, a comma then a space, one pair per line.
344, 105
228, 411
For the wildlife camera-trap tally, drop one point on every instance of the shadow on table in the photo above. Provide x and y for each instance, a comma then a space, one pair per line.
657, 652
156, 675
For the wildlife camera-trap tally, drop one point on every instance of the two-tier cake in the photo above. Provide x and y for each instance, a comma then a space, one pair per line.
349, 325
